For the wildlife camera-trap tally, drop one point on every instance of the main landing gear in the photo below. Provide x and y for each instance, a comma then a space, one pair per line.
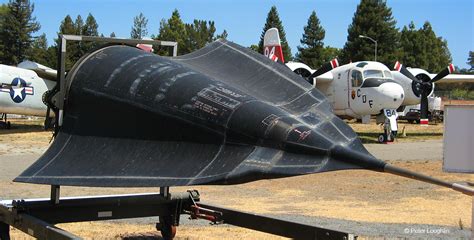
4, 123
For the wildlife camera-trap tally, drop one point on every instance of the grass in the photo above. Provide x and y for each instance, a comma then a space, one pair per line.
368, 133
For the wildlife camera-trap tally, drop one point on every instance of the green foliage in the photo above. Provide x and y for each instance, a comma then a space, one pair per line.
329, 53
189, 36
470, 60
75, 50
311, 51
173, 29
112, 35
273, 21
459, 94
39, 51
3, 14
17, 26
198, 34
139, 29
254, 47
223, 35
373, 18
423, 49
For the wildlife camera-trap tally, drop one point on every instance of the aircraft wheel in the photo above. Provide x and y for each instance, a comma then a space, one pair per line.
382, 138
168, 231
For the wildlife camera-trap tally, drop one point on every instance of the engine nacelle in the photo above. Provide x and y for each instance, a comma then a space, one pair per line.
412, 97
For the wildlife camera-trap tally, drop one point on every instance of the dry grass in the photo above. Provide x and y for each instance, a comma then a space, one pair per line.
356, 195
368, 133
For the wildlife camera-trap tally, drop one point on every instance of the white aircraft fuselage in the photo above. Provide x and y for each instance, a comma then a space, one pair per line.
21, 91
358, 89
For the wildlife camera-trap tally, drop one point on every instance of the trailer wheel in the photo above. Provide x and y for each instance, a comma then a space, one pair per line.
382, 138
167, 229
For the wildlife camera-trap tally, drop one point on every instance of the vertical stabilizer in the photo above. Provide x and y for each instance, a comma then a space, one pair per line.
272, 45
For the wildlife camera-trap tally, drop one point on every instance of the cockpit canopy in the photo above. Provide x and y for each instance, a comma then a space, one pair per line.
358, 77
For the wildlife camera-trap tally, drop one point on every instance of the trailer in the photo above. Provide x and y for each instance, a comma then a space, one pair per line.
37, 217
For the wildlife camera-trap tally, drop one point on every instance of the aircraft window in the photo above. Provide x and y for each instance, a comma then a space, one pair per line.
387, 74
356, 78
373, 74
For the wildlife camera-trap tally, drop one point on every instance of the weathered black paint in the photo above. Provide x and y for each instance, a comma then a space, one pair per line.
221, 115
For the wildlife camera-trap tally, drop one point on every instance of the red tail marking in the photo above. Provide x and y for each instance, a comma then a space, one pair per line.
451, 68
398, 66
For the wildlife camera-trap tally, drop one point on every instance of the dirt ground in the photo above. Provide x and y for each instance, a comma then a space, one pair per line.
366, 203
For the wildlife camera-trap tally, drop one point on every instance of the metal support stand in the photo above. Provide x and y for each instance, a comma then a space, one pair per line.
55, 194
37, 217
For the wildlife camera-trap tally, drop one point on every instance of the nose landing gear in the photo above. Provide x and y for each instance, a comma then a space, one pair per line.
390, 128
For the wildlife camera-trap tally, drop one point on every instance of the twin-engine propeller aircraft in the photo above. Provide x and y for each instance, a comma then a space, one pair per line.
419, 84
23, 89
355, 90
220, 115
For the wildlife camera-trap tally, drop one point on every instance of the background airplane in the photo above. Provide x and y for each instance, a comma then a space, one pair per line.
355, 90
23, 88
419, 85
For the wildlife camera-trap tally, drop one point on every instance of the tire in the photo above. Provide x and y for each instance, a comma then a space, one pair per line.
382, 138
165, 226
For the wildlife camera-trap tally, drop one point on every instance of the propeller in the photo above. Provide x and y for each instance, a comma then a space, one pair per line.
423, 86
325, 68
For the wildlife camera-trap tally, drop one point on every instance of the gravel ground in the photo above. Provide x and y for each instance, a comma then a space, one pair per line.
365, 203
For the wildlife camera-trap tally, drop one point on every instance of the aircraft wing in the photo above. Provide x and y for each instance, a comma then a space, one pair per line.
455, 78
326, 77
41, 70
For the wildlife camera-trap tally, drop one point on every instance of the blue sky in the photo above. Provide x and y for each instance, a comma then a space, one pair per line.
453, 20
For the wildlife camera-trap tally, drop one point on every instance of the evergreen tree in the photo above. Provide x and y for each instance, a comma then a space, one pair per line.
198, 34
423, 49
17, 27
373, 18
67, 27
254, 47
39, 51
112, 35
273, 20
470, 60
223, 35
90, 28
311, 51
139, 29
329, 53
173, 29
3, 14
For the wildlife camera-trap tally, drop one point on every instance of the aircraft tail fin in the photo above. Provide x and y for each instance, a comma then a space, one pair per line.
272, 45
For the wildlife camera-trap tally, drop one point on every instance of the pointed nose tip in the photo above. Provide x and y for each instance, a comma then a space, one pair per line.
394, 94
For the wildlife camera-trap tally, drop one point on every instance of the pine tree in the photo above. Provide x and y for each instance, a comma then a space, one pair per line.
311, 51
373, 18
3, 14
112, 35
67, 27
17, 27
198, 34
423, 49
273, 20
139, 28
223, 35
90, 28
39, 50
470, 60
173, 29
